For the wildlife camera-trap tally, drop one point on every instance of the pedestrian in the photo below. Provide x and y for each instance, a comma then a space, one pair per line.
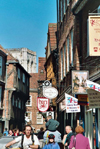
40, 133
64, 137
16, 132
26, 141
56, 133
5, 133
68, 137
51, 144
51, 124
10, 133
79, 141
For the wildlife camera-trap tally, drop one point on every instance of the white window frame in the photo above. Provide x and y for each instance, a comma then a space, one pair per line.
68, 54
64, 59
18, 73
23, 77
87, 37
41, 122
71, 47
61, 64
30, 99
30, 115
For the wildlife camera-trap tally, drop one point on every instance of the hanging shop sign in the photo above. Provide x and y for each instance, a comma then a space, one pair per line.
71, 104
79, 82
73, 109
50, 92
93, 85
94, 98
42, 104
70, 100
50, 113
94, 35
83, 100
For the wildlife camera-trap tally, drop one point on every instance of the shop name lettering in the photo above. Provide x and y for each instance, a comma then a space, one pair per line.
95, 22
43, 103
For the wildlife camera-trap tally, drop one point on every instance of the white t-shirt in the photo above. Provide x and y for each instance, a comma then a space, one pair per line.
28, 141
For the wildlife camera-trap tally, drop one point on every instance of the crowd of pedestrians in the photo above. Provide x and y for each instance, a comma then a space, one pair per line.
50, 138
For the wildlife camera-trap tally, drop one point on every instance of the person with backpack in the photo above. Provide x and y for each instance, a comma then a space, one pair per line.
29, 141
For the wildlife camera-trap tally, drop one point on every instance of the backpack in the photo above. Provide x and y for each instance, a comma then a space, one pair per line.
32, 137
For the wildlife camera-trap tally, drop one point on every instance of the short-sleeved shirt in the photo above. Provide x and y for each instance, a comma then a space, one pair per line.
27, 141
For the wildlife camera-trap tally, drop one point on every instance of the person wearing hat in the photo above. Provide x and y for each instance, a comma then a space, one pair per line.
51, 143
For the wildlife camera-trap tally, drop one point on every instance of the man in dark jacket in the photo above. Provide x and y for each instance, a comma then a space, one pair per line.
40, 133
51, 124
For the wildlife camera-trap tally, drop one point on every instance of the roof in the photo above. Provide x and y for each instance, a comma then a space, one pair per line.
9, 56
52, 28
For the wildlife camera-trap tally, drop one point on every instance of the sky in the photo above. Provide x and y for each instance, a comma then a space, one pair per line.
24, 23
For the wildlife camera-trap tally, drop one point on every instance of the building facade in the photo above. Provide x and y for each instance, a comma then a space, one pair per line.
33, 116
26, 57
15, 95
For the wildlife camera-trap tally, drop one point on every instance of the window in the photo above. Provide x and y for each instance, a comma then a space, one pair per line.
27, 81
28, 116
41, 71
72, 47
68, 2
67, 54
98, 10
39, 118
0, 66
19, 103
0, 96
23, 78
64, 6
18, 73
16, 102
61, 9
13, 100
29, 102
61, 64
64, 59
22, 105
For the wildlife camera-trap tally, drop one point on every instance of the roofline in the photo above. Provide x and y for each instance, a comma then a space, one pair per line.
14, 62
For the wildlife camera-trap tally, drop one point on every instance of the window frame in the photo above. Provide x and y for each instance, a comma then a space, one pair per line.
30, 99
